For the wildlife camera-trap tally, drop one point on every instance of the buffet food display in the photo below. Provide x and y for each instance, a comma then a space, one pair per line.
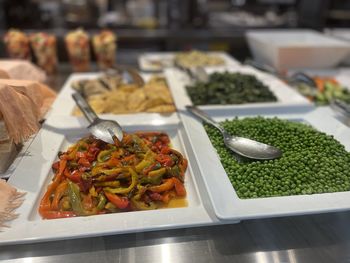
45, 51
312, 162
109, 94
105, 48
171, 170
197, 58
92, 177
326, 90
17, 44
158, 61
77, 42
229, 88
78, 49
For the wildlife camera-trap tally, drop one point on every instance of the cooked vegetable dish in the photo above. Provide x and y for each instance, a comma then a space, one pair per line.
110, 95
312, 162
93, 177
327, 89
197, 58
230, 88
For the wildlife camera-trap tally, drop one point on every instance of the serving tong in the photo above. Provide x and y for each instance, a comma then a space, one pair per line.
295, 78
127, 74
194, 73
105, 130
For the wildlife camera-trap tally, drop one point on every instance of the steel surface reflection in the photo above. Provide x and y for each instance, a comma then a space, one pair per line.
165, 253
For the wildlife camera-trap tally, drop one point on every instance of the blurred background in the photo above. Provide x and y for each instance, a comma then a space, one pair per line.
162, 25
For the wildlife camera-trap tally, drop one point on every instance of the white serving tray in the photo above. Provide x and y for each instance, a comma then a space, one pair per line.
18, 158
227, 205
64, 103
286, 96
167, 59
33, 174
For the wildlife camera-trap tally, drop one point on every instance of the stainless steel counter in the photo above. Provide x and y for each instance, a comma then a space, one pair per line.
314, 238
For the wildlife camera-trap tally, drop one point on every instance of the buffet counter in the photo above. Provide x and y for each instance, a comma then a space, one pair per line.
308, 238
315, 238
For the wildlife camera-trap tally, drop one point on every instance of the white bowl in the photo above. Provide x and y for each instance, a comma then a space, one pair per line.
293, 49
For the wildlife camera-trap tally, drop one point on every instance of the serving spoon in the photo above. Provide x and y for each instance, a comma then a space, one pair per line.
105, 130
242, 146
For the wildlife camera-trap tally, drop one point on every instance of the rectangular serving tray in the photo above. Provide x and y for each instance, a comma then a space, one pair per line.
286, 96
33, 174
167, 59
64, 103
227, 205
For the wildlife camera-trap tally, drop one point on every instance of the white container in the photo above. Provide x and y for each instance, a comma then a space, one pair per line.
293, 49
342, 34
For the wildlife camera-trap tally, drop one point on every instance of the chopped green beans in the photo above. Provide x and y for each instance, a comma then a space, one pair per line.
312, 162
230, 88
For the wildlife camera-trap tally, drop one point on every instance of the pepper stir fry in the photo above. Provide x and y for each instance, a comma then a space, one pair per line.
93, 177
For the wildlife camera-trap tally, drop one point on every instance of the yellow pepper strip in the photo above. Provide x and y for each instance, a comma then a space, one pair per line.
93, 192
149, 158
112, 171
110, 184
140, 191
158, 172
123, 190
143, 164
72, 151
167, 185
102, 170
105, 155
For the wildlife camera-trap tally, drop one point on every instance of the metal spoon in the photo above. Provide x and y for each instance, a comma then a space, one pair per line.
243, 146
105, 130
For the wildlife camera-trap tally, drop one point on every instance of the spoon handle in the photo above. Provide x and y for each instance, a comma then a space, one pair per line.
84, 107
202, 115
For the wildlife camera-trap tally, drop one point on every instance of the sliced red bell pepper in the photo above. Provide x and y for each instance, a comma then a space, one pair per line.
165, 150
179, 187
84, 162
45, 203
75, 176
57, 214
166, 186
81, 154
120, 202
56, 165
165, 160
156, 196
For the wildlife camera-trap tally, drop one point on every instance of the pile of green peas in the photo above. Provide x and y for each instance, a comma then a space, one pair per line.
312, 162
